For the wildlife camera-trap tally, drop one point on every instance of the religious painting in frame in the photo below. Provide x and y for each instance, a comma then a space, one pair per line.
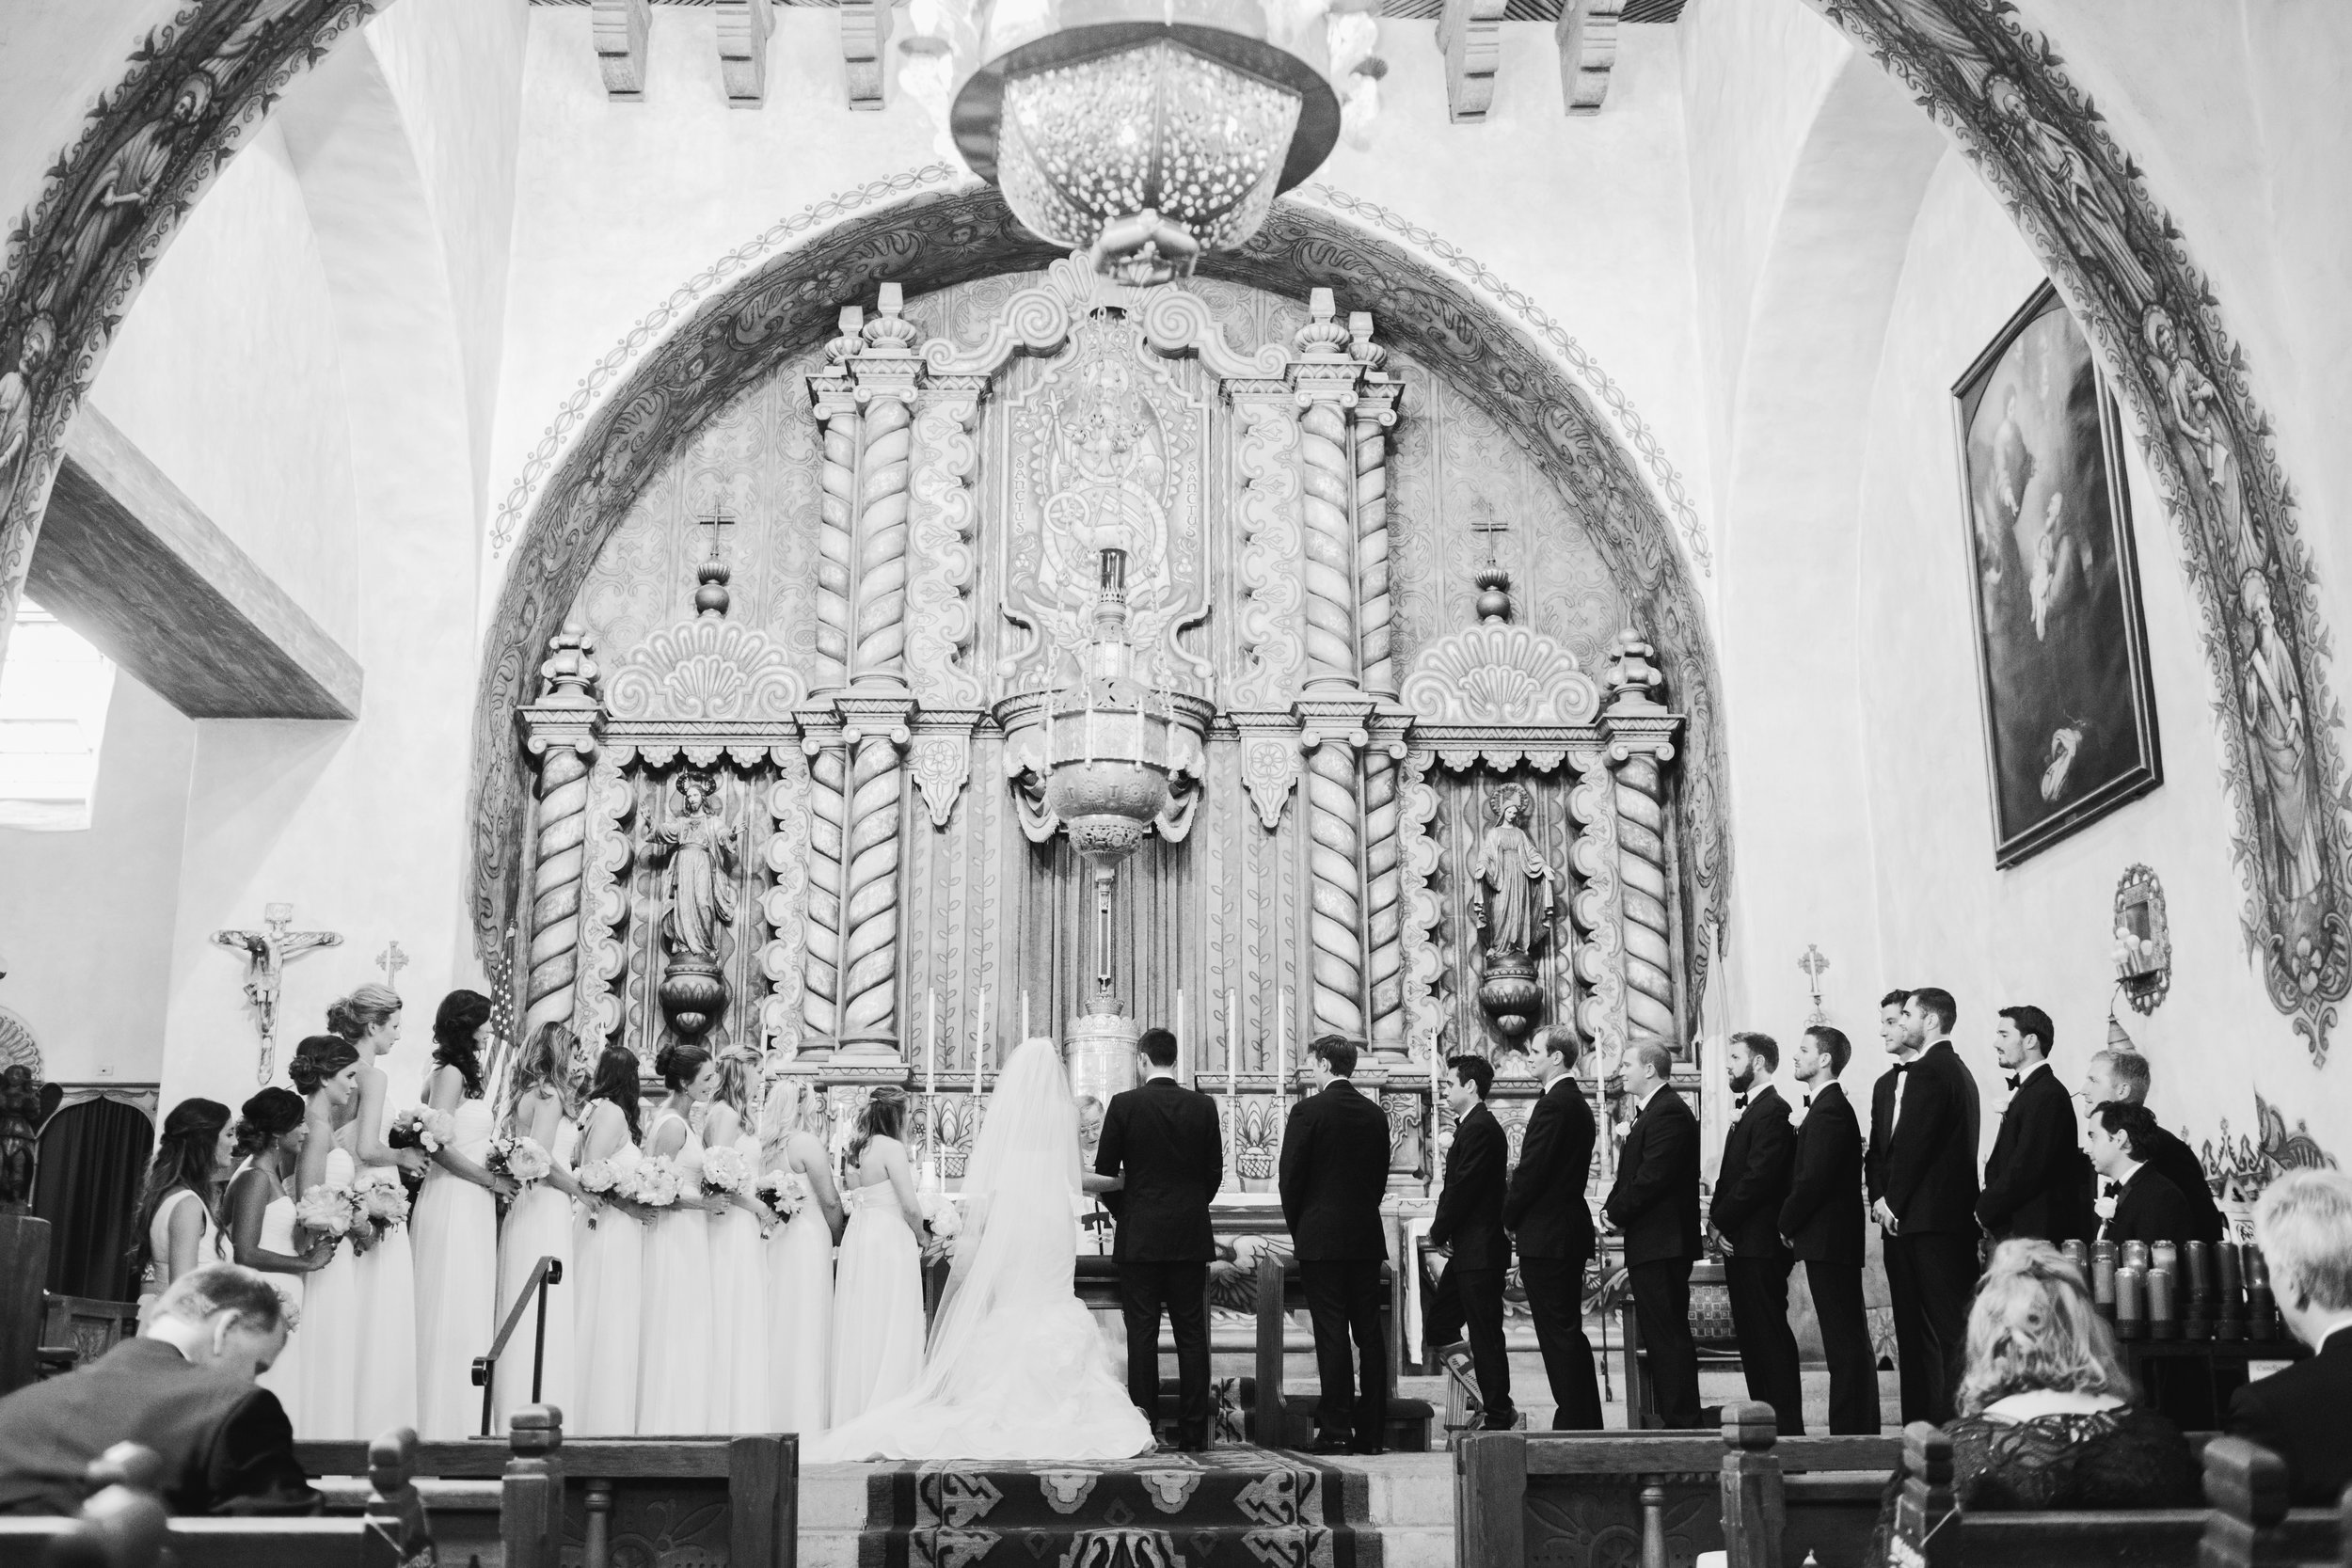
2069, 720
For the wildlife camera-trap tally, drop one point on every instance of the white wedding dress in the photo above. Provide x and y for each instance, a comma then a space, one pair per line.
1015, 1370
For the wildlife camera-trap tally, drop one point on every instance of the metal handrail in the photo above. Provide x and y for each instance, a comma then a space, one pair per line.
545, 1272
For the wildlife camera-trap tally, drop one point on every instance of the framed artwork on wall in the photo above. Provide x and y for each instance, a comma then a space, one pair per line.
2070, 719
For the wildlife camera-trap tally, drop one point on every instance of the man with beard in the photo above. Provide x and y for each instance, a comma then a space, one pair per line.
2034, 1183
1759, 1157
1923, 1149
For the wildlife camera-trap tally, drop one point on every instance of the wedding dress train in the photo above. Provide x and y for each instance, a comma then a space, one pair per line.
1016, 1371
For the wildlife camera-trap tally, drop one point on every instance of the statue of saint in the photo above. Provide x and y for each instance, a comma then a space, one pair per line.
1512, 899
699, 843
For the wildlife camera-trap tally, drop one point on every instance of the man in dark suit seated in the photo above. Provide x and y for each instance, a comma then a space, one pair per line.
1468, 1228
1551, 1222
1760, 1160
2303, 1224
1655, 1206
1335, 1171
1821, 1219
2147, 1208
2123, 1076
1163, 1138
185, 1388
2036, 1180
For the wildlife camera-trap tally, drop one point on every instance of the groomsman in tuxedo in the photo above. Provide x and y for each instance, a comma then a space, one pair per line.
1468, 1228
1925, 1118
1759, 1160
2035, 1181
1335, 1171
2122, 1077
1655, 1206
1821, 1220
2148, 1207
1164, 1137
1548, 1215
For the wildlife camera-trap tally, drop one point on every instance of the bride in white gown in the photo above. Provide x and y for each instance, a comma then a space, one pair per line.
1015, 1370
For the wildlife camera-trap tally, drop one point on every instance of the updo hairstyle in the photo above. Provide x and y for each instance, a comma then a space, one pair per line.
266, 1118
680, 1063
363, 1010
318, 1058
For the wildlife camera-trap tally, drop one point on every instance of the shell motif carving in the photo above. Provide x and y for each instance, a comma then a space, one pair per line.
1499, 674
706, 668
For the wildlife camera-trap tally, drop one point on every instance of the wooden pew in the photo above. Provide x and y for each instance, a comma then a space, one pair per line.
1274, 1421
2248, 1525
123, 1523
597, 1489
1577, 1496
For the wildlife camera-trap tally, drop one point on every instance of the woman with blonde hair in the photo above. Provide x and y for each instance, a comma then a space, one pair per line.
799, 1260
369, 1021
542, 1104
2048, 1418
739, 1396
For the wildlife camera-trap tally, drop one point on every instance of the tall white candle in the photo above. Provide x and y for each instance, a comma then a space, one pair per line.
1232, 1053
979, 1040
1025, 1015
931, 1042
1282, 1041
1180, 1024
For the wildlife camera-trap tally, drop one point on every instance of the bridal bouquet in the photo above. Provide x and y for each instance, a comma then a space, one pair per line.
521, 1160
941, 1217
785, 1194
725, 1173
420, 1127
383, 1203
656, 1183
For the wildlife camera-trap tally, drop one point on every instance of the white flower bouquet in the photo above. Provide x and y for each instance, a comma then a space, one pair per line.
656, 1182
329, 1208
521, 1160
598, 1177
785, 1194
725, 1172
941, 1217
420, 1127
384, 1202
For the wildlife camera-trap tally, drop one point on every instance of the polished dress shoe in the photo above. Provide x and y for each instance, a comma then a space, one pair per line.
1326, 1442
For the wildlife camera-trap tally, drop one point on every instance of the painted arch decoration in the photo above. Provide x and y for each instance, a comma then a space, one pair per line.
198, 86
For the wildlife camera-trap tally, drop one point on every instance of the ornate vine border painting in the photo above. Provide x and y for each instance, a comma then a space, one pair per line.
2070, 719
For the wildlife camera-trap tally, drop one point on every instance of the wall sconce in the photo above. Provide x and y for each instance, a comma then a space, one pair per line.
2142, 952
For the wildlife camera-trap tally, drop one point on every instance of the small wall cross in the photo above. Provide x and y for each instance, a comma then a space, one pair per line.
392, 962
717, 521
1813, 966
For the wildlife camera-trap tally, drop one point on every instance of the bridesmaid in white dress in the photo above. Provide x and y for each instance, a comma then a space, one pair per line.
674, 1367
738, 1297
261, 1220
369, 1018
542, 1102
800, 1263
609, 1243
326, 1067
456, 1227
878, 1301
177, 1230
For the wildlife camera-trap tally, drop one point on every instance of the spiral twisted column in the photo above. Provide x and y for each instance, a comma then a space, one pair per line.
555, 889
1642, 877
879, 607
1327, 483
1336, 895
821, 963
838, 417
1376, 413
870, 915
1384, 894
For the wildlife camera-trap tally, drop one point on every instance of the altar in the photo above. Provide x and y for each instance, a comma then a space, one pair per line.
1043, 655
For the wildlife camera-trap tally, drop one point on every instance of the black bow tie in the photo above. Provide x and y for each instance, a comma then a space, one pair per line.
2113, 1189
2012, 1080
1902, 1068
1739, 1102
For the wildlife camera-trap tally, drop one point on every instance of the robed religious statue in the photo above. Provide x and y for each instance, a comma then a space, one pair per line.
1511, 900
699, 845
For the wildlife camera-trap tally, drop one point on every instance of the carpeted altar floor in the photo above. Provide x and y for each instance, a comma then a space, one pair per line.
1231, 1507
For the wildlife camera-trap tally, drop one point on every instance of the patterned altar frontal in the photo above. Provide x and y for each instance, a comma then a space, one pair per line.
811, 743
1231, 1507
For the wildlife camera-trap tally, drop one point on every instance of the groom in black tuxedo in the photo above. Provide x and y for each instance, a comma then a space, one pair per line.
1163, 1138
1335, 1171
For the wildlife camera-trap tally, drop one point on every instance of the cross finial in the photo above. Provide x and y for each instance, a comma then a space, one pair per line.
1813, 966
717, 519
392, 962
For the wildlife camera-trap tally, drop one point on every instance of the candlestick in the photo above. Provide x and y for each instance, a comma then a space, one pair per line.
931, 1042
2197, 1268
2131, 1321
2076, 1255
1232, 1027
1282, 1038
979, 1040
1180, 1029
2134, 1255
2162, 1324
2103, 1278
1024, 1014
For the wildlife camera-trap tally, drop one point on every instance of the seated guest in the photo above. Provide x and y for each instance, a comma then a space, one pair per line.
185, 1388
2304, 1228
2147, 1208
2123, 1076
2047, 1416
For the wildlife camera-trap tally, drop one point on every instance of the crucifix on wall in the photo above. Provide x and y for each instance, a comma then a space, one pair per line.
267, 951
717, 521
392, 962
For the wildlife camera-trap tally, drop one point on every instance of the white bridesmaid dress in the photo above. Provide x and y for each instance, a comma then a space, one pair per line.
283, 1378
800, 1321
877, 1306
676, 1373
538, 1224
608, 1305
739, 1308
326, 1394
387, 1314
457, 1224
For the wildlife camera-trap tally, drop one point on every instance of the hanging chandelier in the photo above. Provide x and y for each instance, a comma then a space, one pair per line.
1143, 132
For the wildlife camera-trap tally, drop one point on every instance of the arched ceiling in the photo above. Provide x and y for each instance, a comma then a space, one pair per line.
199, 84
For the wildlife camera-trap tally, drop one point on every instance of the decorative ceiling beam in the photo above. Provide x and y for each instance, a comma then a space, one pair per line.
865, 34
744, 29
1587, 36
127, 559
1470, 33
621, 28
